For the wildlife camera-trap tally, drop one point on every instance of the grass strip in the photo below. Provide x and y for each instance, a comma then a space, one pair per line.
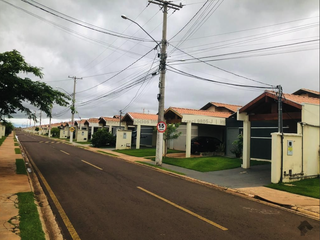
17, 150
20, 167
208, 164
16, 144
107, 153
2, 140
144, 152
166, 169
30, 225
307, 187
83, 142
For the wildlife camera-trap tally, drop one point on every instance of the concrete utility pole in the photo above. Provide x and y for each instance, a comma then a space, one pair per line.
280, 126
163, 59
50, 124
73, 105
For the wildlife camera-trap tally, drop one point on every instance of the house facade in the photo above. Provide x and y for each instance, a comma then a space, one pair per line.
2, 130
295, 153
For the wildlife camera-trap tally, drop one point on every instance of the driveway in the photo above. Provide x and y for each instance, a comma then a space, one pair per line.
233, 178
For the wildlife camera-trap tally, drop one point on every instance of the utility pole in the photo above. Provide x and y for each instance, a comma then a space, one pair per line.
163, 59
50, 122
120, 119
73, 105
280, 126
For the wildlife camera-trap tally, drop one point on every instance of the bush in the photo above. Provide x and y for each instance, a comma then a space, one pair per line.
103, 138
238, 146
55, 132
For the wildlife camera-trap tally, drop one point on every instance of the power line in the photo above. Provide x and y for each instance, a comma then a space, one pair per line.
224, 70
108, 32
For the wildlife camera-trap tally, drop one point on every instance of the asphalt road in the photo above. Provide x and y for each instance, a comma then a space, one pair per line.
104, 198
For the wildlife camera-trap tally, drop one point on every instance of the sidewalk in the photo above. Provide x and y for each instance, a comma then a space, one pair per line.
10, 184
229, 179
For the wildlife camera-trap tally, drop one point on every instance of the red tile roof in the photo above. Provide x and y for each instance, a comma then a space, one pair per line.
93, 120
143, 116
297, 98
231, 107
306, 90
188, 111
111, 119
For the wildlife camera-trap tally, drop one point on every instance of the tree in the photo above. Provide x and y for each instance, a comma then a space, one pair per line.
16, 92
170, 133
55, 132
9, 127
102, 138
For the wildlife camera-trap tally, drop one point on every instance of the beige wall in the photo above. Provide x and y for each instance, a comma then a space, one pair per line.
180, 142
82, 135
305, 149
64, 132
2, 130
123, 139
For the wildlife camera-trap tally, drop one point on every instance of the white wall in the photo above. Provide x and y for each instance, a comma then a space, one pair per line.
180, 142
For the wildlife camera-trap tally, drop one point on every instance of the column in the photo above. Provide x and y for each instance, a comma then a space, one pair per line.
188, 139
138, 136
246, 144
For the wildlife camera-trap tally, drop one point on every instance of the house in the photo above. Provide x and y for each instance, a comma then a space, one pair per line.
64, 129
111, 123
2, 130
298, 156
195, 123
94, 125
142, 126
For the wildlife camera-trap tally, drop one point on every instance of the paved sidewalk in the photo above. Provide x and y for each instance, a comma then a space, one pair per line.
10, 184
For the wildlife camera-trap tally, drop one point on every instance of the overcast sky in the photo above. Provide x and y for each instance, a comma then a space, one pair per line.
210, 36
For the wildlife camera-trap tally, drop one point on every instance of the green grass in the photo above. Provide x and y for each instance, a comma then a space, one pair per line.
2, 140
20, 167
307, 187
208, 164
83, 142
103, 152
16, 144
17, 150
144, 152
30, 225
166, 169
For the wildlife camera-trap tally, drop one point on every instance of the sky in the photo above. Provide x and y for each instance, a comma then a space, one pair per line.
213, 47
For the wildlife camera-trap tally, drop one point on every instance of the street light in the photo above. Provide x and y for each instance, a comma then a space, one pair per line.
162, 67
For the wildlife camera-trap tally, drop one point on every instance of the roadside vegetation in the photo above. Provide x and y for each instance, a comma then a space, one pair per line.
17, 150
16, 144
144, 152
155, 166
30, 225
2, 140
89, 142
20, 166
103, 138
208, 164
307, 187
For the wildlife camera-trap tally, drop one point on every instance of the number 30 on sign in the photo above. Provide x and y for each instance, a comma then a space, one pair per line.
161, 127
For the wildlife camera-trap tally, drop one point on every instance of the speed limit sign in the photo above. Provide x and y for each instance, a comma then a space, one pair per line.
161, 127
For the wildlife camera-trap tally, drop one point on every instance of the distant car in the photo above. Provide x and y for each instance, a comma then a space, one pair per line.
204, 144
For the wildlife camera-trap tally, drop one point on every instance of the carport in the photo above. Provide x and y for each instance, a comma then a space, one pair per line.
197, 123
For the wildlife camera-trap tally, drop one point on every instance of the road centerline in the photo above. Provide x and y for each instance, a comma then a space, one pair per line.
92, 165
64, 152
184, 209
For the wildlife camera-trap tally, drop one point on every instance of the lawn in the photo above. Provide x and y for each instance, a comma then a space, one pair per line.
110, 154
30, 225
208, 164
144, 152
2, 140
17, 150
20, 167
307, 187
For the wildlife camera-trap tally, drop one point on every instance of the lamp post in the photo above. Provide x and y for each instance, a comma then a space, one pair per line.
162, 68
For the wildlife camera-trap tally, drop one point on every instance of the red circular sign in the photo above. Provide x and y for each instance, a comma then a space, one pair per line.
161, 127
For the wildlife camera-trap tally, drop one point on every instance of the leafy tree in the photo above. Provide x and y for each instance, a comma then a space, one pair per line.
37, 129
9, 127
16, 91
170, 133
103, 137
55, 132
